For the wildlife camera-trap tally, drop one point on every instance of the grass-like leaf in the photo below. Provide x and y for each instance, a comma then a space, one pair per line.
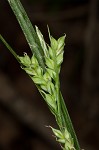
28, 30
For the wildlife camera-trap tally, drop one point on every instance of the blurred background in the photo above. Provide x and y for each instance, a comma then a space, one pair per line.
23, 113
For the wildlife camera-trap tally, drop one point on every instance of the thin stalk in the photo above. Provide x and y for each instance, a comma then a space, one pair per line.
9, 48
68, 123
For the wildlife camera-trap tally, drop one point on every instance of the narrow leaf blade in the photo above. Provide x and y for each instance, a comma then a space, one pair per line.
28, 30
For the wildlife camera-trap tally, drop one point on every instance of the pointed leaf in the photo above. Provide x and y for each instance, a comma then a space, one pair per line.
29, 71
38, 80
42, 41
50, 63
59, 59
25, 60
58, 133
54, 43
50, 87
49, 99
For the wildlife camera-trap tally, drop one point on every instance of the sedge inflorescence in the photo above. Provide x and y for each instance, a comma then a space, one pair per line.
44, 68
47, 80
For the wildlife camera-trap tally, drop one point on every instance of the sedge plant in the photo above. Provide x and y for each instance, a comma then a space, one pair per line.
44, 69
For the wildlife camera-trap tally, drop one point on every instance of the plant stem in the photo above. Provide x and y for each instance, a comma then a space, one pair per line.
68, 123
28, 30
9, 47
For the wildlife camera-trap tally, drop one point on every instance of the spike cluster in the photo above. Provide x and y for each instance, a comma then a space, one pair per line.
46, 81
44, 68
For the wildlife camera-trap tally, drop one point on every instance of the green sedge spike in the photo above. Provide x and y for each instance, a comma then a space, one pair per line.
44, 69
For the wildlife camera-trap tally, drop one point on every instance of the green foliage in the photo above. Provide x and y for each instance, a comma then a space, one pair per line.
44, 68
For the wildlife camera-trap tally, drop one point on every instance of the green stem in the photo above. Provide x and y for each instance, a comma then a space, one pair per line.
28, 30
9, 47
68, 123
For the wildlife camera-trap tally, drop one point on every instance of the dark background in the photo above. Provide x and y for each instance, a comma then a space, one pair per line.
23, 113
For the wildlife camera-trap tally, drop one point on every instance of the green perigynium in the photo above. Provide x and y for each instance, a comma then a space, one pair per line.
44, 68
64, 138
